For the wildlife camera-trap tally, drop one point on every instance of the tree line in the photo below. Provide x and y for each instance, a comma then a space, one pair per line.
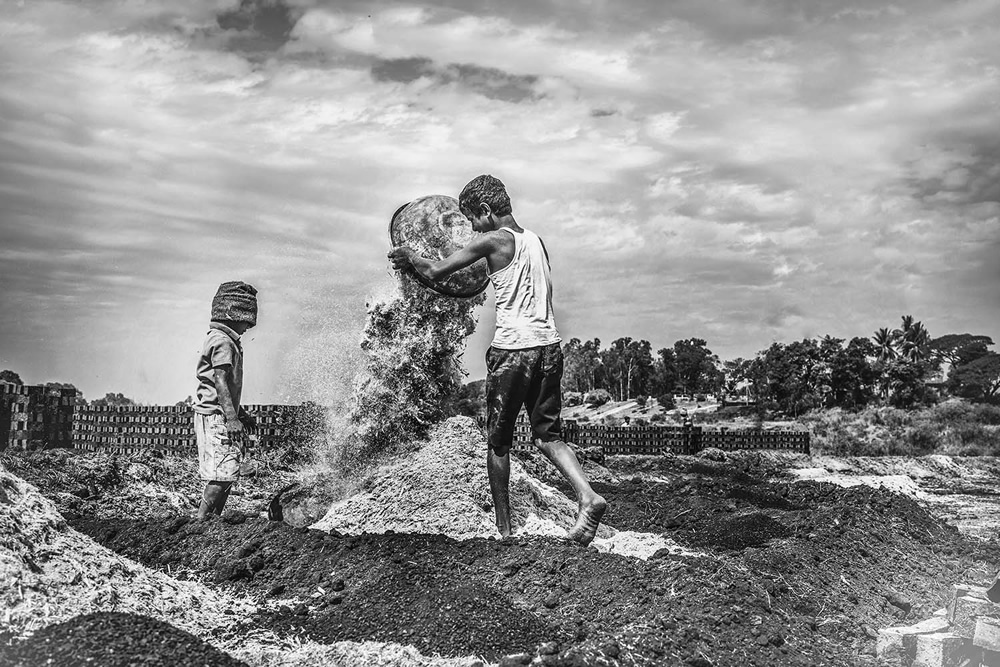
903, 367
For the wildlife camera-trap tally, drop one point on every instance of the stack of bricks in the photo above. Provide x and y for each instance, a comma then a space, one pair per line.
128, 429
133, 428
34, 417
656, 440
966, 633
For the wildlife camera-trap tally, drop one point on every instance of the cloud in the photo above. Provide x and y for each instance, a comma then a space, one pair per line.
744, 173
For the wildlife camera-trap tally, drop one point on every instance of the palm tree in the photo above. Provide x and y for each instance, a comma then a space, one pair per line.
885, 343
912, 339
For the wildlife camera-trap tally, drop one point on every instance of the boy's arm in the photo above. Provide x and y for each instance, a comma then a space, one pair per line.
233, 424
478, 248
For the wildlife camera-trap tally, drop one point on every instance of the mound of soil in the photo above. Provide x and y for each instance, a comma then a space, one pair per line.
51, 573
794, 574
442, 488
114, 640
150, 484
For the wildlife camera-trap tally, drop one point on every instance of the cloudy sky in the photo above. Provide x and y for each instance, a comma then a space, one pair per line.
739, 171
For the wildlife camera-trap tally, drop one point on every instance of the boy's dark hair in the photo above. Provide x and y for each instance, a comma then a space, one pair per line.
485, 189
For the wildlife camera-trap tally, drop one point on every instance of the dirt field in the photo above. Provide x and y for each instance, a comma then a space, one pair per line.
774, 560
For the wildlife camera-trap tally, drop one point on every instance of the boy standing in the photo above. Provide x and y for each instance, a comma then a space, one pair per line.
525, 362
220, 424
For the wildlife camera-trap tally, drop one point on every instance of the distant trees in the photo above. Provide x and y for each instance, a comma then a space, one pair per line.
978, 379
114, 400
56, 388
628, 369
10, 377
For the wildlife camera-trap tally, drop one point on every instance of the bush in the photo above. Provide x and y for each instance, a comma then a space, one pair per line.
657, 418
597, 398
572, 398
985, 413
666, 401
642, 400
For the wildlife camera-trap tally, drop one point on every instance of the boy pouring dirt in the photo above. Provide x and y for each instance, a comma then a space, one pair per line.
525, 362
220, 424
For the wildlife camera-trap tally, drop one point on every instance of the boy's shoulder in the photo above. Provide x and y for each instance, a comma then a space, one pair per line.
218, 337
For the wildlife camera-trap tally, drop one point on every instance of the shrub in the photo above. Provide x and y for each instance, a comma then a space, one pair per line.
572, 398
657, 418
642, 400
597, 397
666, 401
985, 413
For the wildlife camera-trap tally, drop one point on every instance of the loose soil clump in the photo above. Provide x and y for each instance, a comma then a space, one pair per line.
112, 639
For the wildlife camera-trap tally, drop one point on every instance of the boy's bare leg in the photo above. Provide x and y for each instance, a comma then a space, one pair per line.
591, 505
498, 470
213, 498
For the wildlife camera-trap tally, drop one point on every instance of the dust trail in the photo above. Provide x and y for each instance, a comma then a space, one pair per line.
414, 339
384, 384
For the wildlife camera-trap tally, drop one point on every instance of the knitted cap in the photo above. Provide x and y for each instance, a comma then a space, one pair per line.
235, 301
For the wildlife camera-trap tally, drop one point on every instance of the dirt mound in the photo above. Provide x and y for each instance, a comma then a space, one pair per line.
149, 484
800, 574
115, 640
442, 488
50, 573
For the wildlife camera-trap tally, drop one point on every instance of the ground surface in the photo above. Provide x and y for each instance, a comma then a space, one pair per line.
778, 570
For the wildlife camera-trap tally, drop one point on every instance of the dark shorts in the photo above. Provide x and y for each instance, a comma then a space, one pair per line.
529, 378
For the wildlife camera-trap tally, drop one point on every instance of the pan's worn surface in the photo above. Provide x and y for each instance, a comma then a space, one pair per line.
434, 227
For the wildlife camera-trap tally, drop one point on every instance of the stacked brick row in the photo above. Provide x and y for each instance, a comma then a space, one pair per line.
133, 428
127, 429
35, 417
656, 440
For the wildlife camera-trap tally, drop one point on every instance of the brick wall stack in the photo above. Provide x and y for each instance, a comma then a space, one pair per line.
656, 440
132, 428
35, 417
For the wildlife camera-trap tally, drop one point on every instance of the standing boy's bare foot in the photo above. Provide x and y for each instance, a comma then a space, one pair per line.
587, 521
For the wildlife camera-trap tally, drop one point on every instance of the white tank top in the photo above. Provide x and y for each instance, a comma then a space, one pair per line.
524, 297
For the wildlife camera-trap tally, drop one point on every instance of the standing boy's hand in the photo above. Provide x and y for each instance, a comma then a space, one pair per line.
401, 257
235, 430
249, 423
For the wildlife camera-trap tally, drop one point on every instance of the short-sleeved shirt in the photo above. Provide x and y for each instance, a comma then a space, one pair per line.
222, 348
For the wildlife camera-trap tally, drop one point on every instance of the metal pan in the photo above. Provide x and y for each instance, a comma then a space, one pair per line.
434, 227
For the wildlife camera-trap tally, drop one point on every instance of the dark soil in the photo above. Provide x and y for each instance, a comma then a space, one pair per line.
114, 640
792, 574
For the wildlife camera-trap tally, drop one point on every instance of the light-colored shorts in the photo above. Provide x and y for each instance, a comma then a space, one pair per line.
219, 457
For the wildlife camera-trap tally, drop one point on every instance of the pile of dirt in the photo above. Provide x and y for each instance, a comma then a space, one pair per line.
799, 573
114, 639
50, 573
150, 484
442, 488
63, 592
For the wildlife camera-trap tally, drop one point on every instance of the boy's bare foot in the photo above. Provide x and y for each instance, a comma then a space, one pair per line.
587, 521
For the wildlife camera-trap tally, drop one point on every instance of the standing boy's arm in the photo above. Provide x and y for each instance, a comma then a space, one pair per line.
233, 424
478, 248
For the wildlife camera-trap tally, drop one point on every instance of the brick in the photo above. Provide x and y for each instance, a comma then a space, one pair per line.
892, 643
937, 649
966, 609
987, 633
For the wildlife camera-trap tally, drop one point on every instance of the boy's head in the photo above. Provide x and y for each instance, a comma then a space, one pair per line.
487, 190
235, 302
